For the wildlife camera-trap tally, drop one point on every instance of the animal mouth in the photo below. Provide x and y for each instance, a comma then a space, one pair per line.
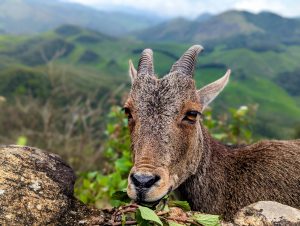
148, 204
141, 198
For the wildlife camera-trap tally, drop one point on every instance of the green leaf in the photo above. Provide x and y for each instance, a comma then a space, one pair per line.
207, 219
121, 196
150, 215
173, 223
140, 221
181, 204
123, 165
22, 140
219, 136
83, 198
92, 175
110, 128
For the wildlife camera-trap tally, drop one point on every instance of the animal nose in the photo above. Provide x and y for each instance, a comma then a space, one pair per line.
143, 180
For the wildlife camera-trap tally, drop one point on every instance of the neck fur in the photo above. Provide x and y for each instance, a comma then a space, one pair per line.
206, 189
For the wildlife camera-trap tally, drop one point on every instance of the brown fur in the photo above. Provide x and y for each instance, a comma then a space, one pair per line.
229, 179
213, 177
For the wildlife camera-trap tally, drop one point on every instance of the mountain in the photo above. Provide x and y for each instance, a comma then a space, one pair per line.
203, 17
89, 63
232, 25
32, 16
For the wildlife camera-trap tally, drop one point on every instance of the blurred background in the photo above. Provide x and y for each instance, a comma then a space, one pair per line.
64, 63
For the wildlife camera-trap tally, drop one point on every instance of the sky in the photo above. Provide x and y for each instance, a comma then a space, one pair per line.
193, 8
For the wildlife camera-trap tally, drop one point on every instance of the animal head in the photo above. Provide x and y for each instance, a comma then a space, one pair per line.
165, 125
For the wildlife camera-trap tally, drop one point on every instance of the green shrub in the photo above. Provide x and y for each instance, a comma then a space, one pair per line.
97, 187
234, 128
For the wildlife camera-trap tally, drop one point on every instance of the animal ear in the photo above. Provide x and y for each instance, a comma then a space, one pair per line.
208, 93
186, 63
132, 71
146, 63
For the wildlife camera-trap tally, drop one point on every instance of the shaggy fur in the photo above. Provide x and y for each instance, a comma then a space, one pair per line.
228, 179
213, 177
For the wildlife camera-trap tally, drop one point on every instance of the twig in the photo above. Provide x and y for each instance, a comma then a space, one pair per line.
161, 213
124, 209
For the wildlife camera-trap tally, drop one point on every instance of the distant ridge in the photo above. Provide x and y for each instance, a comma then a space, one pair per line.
230, 24
34, 16
203, 17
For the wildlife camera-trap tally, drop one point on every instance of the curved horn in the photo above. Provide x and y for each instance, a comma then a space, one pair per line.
146, 63
186, 63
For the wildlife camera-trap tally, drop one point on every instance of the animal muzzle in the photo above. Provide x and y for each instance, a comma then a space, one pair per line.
145, 185
144, 181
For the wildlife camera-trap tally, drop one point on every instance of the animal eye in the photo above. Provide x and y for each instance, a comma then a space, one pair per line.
127, 113
191, 116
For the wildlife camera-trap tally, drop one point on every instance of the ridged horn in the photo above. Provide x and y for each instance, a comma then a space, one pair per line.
186, 63
146, 63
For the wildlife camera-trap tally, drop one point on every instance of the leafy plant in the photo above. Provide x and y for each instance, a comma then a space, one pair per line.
167, 212
97, 187
234, 128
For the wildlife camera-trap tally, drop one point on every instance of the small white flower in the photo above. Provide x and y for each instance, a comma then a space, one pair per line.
243, 108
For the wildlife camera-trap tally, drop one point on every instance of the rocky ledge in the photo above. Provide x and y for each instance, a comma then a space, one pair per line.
36, 188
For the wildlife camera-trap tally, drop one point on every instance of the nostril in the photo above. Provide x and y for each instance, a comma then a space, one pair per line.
152, 181
144, 181
135, 180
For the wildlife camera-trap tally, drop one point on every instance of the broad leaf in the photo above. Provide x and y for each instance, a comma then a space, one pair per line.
181, 204
150, 215
173, 223
140, 221
207, 219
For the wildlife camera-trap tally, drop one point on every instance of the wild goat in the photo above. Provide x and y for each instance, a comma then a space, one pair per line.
173, 150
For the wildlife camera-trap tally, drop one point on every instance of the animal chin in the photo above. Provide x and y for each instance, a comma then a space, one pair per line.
143, 199
144, 203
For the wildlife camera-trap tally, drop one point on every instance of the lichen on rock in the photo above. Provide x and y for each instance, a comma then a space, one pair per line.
267, 213
36, 188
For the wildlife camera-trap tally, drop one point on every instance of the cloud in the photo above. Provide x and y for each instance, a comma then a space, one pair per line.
286, 8
192, 8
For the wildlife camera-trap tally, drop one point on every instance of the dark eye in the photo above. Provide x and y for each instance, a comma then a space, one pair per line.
127, 113
191, 117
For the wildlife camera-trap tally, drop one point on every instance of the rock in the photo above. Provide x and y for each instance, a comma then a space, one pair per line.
223, 223
36, 188
267, 213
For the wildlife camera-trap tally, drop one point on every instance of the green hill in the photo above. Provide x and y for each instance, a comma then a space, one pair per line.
91, 63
